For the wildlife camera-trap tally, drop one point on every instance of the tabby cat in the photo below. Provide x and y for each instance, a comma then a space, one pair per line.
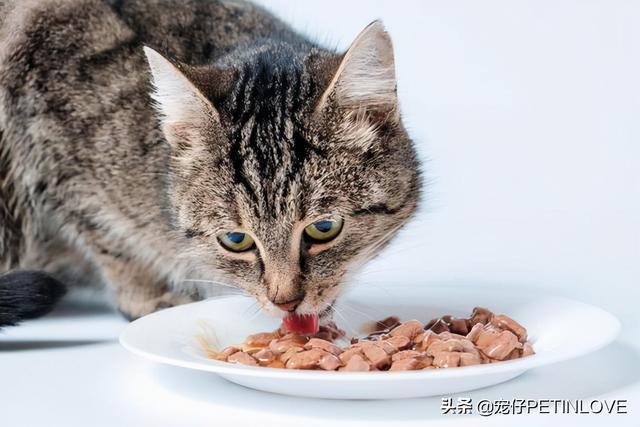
147, 142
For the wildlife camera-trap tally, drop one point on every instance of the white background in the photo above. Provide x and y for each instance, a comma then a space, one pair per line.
526, 116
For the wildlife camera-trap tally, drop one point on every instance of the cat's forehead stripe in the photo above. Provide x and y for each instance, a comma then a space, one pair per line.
269, 148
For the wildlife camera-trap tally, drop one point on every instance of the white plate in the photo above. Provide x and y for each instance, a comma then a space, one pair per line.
559, 329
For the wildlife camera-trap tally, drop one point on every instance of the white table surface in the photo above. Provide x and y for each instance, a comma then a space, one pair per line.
68, 370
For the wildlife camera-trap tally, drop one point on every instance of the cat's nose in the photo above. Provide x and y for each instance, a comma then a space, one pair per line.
288, 305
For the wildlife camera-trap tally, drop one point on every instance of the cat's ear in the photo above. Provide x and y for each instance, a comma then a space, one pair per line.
184, 109
366, 77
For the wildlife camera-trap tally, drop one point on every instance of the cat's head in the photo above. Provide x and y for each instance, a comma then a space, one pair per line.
290, 164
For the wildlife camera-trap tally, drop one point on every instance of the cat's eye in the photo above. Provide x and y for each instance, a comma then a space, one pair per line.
236, 241
323, 230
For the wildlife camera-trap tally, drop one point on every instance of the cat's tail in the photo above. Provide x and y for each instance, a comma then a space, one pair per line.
26, 295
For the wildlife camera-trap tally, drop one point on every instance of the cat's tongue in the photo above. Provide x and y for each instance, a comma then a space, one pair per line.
301, 323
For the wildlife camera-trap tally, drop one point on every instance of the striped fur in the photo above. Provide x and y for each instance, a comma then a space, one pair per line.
253, 128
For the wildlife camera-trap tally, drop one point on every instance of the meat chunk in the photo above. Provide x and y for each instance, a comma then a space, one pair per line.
480, 315
329, 332
243, 358
475, 332
377, 356
346, 355
446, 335
388, 322
459, 326
261, 340
324, 345
387, 345
277, 363
446, 359
312, 359
428, 338
329, 362
498, 346
468, 359
468, 347
308, 359
408, 329
264, 356
407, 354
506, 323
222, 355
446, 345
281, 345
408, 364
284, 357
356, 363
439, 326
399, 342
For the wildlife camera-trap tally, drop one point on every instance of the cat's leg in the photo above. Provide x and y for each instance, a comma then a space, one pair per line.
25, 293
137, 290
101, 261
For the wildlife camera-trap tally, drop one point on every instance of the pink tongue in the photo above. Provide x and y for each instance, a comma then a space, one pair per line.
301, 323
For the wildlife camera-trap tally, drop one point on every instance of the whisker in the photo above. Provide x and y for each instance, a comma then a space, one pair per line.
255, 313
366, 271
214, 282
363, 314
402, 249
218, 294
214, 288
251, 307
347, 324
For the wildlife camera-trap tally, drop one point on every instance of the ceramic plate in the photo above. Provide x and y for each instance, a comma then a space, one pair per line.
559, 329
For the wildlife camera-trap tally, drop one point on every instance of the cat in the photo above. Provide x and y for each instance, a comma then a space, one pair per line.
149, 144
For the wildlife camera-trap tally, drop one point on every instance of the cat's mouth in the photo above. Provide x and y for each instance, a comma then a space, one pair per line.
307, 324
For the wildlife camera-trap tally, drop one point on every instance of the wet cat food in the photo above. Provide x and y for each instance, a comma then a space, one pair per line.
445, 342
